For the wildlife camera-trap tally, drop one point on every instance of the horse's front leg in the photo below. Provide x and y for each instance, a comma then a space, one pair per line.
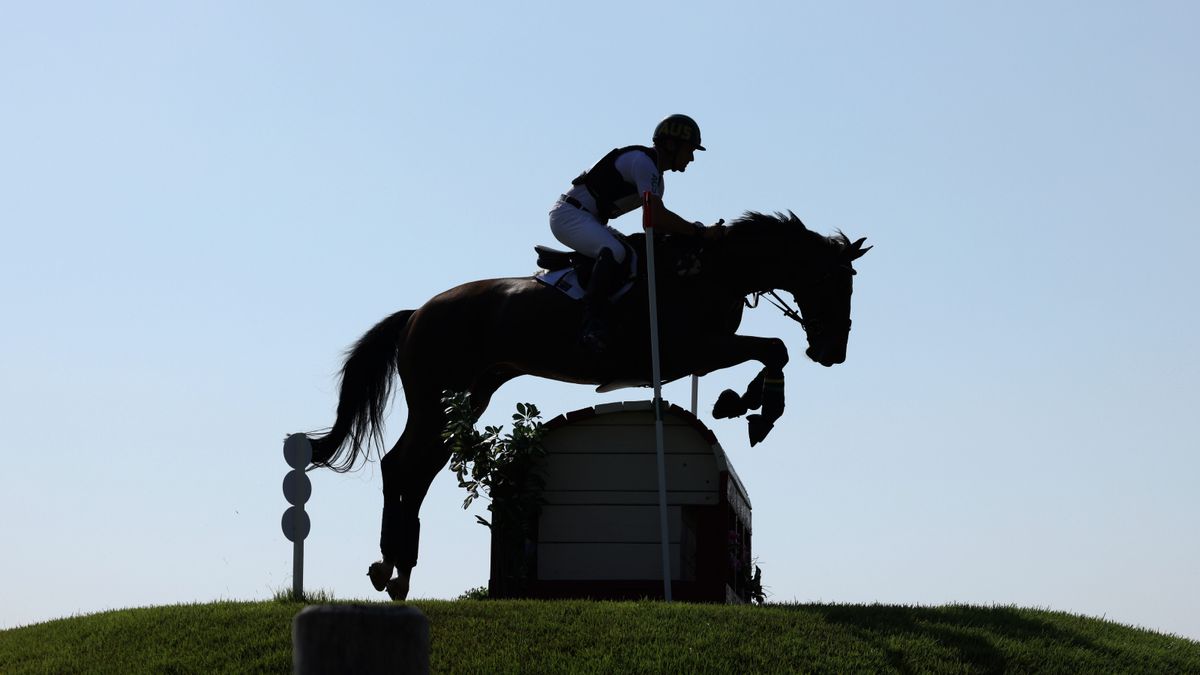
730, 405
765, 390
772, 409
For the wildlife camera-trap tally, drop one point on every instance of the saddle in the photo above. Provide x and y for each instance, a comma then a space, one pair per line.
553, 259
570, 271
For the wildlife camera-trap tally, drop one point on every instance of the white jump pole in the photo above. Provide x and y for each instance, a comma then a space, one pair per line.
656, 376
695, 392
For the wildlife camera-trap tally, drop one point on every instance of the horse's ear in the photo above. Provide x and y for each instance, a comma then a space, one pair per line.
856, 251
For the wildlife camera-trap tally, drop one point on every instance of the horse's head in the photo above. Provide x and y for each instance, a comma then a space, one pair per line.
823, 292
766, 252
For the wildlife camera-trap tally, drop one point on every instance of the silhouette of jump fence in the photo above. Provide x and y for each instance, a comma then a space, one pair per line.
598, 532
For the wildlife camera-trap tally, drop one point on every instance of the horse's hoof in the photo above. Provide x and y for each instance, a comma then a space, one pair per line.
380, 572
759, 427
728, 405
398, 588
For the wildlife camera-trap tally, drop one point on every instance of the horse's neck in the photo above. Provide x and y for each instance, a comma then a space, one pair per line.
739, 268
729, 270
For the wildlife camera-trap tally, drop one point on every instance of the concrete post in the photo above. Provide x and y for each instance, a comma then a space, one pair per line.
360, 639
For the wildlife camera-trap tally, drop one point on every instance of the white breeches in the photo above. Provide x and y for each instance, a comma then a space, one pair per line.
581, 231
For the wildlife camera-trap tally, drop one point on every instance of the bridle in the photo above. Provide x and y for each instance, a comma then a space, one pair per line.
813, 327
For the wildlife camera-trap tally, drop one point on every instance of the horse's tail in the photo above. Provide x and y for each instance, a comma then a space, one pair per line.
365, 393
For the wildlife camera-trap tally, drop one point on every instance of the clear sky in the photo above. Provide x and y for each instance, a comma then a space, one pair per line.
204, 204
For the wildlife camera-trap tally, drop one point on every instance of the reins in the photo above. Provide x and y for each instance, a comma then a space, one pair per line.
779, 303
813, 326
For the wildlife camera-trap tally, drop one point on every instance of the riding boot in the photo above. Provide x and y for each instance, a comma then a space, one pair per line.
596, 308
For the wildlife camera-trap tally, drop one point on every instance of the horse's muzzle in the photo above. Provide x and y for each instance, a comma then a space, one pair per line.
826, 357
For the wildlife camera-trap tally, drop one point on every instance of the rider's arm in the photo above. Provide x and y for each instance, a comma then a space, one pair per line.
666, 220
637, 168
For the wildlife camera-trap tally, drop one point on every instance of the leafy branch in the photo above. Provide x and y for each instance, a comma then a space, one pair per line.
496, 466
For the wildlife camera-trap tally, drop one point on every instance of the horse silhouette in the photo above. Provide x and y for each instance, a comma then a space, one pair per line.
477, 336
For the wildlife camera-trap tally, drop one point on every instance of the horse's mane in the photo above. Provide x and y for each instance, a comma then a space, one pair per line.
756, 224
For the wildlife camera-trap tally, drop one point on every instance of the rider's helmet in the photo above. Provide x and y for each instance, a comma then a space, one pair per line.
679, 128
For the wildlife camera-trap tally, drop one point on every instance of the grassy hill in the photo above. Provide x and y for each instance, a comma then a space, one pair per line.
605, 637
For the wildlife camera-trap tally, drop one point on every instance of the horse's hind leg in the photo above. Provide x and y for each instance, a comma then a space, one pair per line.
408, 471
485, 386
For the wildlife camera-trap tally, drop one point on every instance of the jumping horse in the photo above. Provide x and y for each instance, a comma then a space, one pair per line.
477, 336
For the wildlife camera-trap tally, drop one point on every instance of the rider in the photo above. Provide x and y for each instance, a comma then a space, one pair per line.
612, 188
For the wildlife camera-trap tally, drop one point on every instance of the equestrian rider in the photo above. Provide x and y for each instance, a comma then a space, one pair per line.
612, 188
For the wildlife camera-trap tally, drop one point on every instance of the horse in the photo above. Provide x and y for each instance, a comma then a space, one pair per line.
476, 336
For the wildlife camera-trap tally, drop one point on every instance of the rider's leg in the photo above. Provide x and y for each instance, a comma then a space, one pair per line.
596, 302
582, 232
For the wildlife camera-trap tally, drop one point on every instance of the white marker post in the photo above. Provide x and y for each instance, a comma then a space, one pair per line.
297, 450
656, 376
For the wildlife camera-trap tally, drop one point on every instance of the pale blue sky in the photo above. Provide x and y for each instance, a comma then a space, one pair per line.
203, 205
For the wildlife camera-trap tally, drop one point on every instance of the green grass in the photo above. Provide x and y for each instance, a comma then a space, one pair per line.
473, 636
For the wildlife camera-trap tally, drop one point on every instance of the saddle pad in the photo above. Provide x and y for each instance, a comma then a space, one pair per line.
567, 281
564, 280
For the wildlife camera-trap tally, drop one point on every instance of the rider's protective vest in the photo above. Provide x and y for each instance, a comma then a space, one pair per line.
614, 196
